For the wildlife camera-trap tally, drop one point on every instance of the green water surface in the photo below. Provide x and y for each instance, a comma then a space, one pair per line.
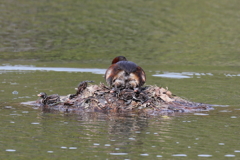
199, 37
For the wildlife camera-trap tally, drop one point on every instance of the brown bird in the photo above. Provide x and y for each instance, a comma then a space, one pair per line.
125, 74
81, 87
47, 100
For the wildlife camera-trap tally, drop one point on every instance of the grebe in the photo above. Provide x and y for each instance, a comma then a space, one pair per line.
81, 87
52, 99
125, 74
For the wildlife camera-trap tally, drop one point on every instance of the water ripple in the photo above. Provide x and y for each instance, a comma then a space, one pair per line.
229, 155
176, 75
118, 154
204, 155
57, 69
179, 155
181, 75
10, 150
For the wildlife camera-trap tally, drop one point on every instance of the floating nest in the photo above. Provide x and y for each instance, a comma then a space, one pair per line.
151, 100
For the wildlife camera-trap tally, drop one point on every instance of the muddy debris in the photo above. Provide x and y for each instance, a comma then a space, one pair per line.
151, 100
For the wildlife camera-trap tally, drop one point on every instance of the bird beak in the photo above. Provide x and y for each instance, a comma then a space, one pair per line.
39, 95
76, 89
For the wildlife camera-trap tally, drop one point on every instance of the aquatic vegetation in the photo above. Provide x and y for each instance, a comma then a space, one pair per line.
150, 100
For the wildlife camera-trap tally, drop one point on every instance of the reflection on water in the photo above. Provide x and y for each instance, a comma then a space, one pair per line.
57, 69
204, 155
186, 32
181, 75
130, 136
25, 68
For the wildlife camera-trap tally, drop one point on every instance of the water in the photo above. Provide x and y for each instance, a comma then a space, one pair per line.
156, 32
60, 135
100, 136
191, 47
22, 68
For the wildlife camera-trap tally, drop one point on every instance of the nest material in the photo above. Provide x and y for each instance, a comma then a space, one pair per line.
100, 98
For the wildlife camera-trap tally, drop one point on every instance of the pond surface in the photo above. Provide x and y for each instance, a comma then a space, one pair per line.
27, 132
191, 47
